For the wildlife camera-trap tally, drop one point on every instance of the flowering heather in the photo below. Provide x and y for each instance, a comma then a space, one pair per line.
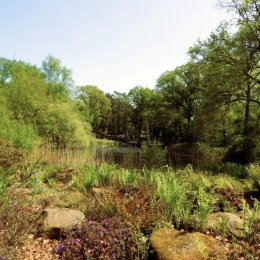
111, 239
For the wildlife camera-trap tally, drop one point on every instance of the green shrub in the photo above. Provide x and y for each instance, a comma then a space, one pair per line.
204, 208
244, 151
5, 181
176, 199
235, 170
9, 155
19, 133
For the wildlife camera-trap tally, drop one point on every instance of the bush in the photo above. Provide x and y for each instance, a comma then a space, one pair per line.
20, 134
232, 169
243, 152
111, 239
9, 155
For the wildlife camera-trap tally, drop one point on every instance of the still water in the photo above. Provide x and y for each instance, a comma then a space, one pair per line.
127, 157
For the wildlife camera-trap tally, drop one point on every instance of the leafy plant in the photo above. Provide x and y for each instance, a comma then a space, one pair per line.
204, 208
249, 217
111, 239
175, 198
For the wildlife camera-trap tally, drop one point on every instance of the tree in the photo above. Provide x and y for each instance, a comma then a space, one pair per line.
143, 102
98, 104
248, 20
181, 91
121, 112
231, 70
58, 78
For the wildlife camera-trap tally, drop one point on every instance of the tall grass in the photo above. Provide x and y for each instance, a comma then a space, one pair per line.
68, 156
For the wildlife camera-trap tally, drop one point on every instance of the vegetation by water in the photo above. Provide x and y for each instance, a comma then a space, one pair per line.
198, 133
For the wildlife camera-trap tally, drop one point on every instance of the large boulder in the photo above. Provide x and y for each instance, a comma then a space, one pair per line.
226, 222
56, 219
170, 244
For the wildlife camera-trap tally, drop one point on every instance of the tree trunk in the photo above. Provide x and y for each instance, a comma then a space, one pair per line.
247, 111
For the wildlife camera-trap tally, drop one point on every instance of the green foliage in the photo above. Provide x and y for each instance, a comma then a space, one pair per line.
5, 181
90, 177
30, 114
58, 78
232, 169
174, 195
16, 131
9, 155
181, 92
242, 151
121, 112
96, 106
250, 216
204, 209
254, 174
128, 177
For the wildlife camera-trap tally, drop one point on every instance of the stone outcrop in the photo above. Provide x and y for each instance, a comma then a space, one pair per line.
56, 219
226, 222
170, 244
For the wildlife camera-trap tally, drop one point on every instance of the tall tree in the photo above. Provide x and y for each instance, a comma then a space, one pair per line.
181, 90
232, 74
58, 78
121, 112
98, 106
142, 101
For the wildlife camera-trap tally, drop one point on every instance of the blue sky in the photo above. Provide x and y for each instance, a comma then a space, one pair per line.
114, 44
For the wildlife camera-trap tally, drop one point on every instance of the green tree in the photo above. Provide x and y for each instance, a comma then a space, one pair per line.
58, 78
27, 104
121, 111
97, 105
181, 90
143, 104
231, 73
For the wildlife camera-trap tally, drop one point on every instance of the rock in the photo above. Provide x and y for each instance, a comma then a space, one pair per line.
227, 223
170, 244
56, 219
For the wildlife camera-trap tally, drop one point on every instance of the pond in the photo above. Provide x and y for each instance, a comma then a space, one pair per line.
127, 157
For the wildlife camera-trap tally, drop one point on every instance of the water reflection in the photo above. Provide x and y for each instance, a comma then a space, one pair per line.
128, 157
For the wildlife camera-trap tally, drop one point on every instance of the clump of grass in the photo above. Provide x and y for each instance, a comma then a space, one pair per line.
89, 177
250, 216
204, 208
254, 175
126, 176
177, 201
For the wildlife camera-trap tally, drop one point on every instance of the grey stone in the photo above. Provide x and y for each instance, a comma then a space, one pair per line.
56, 219
226, 222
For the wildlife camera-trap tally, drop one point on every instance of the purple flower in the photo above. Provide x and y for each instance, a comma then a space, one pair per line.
60, 248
